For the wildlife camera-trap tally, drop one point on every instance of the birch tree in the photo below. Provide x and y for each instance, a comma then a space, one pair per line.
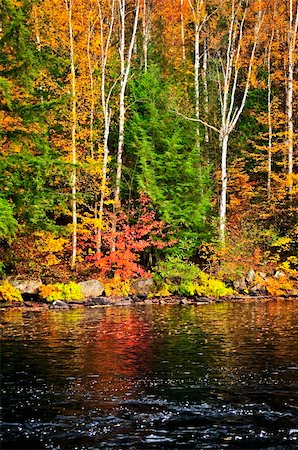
125, 63
69, 8
291, 38
105, 44
229, 84
199, 18
146, 24
269, 106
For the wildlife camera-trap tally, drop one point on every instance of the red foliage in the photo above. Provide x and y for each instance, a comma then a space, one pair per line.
136, 230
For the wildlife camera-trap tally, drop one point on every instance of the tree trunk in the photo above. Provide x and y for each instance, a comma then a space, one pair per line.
223, 198
205, 86
73, 137
182, 32
292, 32
125, 69
105, 99
269, 121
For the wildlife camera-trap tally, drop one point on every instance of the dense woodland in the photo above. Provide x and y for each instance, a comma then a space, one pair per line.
144, 137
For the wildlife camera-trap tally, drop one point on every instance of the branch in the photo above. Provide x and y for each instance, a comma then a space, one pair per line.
192, 119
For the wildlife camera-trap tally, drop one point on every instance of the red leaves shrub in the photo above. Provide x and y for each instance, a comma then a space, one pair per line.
137, 230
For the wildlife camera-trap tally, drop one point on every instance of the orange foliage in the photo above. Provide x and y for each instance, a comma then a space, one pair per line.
137, 230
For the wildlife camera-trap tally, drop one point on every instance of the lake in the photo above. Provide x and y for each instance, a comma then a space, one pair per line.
217, 376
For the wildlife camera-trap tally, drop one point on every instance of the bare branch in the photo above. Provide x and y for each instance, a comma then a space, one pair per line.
192, 119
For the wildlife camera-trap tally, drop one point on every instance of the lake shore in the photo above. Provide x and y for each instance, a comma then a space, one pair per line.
38, 305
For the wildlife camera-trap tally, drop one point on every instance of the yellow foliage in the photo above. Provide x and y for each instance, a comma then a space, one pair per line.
9, 293
164, 291
277, 287
49, 291
60, 291
50, 246
117, 288
281, 242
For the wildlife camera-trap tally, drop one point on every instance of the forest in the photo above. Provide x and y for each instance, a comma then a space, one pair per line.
151, 139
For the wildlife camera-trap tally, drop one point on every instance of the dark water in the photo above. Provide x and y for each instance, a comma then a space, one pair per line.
221, 376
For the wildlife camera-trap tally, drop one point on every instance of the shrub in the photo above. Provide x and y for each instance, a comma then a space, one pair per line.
117, 287
176, 275
211, 287
60, 291
278, 287
174, 270
9, 293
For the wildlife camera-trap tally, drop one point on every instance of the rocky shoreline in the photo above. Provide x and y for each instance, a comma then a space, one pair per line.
93, 294
37, 305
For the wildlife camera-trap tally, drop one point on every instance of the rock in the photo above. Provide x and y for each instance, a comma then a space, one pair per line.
184, 301
251, 276
279, 274
240, 285
59, 304
100, 301
258, 289
124, 302
91, 288
26, 286
202, 300
143, 286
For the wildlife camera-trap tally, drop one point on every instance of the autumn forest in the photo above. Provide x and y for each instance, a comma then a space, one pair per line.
150, 138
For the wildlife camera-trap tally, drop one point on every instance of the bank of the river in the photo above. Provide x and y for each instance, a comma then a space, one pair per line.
100, 302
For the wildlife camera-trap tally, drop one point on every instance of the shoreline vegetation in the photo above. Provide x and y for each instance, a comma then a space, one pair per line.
33, 295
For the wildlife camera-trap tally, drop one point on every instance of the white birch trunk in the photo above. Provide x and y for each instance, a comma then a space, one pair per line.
224, 182
105, 99
125, 69
205, 86
90, 68
69, 5
292, 33
269, 121
146, 33
182, 32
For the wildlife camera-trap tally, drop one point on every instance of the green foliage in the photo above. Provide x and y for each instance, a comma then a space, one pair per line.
30, 183
8, 224
169, 167
174, 271
9, 293
177, 276
60, 291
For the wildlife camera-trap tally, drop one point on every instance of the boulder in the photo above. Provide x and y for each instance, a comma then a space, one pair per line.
26, 286
59, 304
143, 286
240, 285
279, 274
99, 301
91, 288
251, 276
258, 289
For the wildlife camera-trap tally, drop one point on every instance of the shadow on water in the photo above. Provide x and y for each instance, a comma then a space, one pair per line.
221, 376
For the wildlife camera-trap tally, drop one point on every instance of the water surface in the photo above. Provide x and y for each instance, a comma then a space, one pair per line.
220, 376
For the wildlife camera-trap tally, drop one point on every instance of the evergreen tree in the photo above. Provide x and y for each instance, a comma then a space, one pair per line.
168, 166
